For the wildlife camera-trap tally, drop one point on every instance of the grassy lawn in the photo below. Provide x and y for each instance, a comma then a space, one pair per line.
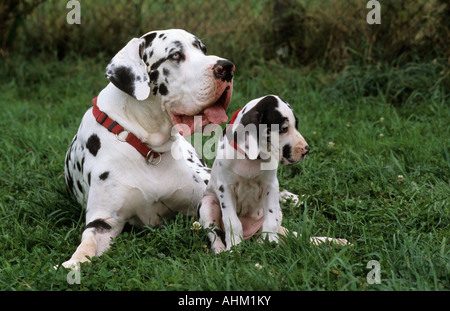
377, 175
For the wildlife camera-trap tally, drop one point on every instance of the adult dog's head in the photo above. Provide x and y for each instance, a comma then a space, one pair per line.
171, 67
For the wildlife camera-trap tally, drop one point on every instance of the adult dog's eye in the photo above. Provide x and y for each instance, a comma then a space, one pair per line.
284, 130
176, 56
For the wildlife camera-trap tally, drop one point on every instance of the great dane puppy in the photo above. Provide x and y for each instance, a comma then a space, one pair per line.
121, 165
242, 197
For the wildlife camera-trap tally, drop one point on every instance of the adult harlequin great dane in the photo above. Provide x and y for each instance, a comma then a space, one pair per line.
121, 164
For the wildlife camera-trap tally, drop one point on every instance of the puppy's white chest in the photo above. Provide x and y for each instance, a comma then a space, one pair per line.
246, 169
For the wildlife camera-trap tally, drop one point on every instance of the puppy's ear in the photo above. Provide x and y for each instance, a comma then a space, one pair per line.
128, 72
250, 122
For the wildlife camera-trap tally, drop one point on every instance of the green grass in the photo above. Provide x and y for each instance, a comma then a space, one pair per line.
351, 187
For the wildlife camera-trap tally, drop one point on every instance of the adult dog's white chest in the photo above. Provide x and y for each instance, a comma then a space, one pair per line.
142, 193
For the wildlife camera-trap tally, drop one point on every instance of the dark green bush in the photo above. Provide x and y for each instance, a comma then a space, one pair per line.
331, 33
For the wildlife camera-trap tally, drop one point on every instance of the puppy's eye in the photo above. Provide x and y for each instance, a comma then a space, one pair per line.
284, 130
176, 56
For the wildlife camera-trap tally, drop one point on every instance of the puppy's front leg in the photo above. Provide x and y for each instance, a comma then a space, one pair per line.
272, 214
231, 223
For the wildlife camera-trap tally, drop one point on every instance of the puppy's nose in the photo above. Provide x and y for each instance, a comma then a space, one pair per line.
224, 69
306, 149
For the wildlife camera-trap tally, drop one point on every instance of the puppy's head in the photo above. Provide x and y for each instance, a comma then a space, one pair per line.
276, 130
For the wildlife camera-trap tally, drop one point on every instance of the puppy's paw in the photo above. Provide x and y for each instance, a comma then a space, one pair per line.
286, 196
71, 264
217, 249
284, 232
271, 237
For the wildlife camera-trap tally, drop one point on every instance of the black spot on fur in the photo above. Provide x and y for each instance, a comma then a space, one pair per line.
264, 112
155, 90
123, 78
89, 178
79, 186
220, 234
163, 89
270, 211
166, 72
69, 183
104, 175
199, 206
204, 164
98, 224
149, 39
199, 45
287, 151
158, 63
154, 75
67, 160
178, 46
223, 205
221, 188
79, 166
93, 144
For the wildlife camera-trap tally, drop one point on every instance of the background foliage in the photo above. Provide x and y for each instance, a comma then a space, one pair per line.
329, 32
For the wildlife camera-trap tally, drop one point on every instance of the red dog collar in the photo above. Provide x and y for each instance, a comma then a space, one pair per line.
232, 142
115, 128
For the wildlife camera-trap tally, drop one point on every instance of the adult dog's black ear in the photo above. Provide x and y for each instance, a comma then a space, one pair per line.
128, 72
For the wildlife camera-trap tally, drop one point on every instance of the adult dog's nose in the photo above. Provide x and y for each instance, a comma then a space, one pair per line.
224, 69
